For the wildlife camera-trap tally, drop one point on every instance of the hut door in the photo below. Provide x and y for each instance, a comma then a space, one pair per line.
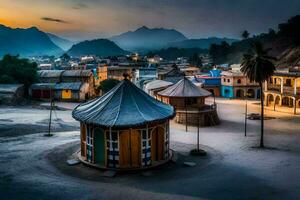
157, 146
99, 146
124, 149
135, 148
130, 149
66, 94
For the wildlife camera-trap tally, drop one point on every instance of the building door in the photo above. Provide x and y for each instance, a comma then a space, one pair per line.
157, 144
124, 140
66, 94
99, 146
135, 148
130, 149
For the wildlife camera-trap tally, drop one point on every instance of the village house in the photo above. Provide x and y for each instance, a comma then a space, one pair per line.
189, 103
155, 86
119, 136
283, 89
50, 76
211, 81
170, 74
11, 93
144, 75
73, 91
79, 85
235, 84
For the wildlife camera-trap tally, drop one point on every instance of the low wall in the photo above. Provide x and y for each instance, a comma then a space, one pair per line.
205, 117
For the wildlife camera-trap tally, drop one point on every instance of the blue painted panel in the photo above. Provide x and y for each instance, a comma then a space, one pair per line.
227, 91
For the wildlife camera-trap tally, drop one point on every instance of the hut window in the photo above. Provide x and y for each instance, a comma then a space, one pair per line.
90, 144
112, 138
167, 135
146, 147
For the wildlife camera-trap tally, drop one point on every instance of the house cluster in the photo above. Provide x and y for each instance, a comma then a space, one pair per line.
65, 85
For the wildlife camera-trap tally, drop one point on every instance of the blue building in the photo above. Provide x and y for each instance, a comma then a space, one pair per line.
211, 81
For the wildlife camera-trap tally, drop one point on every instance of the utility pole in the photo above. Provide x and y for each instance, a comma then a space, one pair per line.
198, 130
246, 115
50, 118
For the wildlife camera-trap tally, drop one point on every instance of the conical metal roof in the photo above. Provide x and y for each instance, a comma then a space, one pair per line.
124, 106
184, 88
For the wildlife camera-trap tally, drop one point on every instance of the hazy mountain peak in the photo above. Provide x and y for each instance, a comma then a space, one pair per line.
142, 28
145, 38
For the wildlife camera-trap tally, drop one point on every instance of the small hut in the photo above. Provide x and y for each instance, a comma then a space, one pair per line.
189, 102
124, 129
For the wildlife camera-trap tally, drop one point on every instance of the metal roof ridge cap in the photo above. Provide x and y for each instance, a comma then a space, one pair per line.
121, 98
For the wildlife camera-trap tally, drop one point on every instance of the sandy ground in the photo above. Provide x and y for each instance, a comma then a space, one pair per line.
33, 166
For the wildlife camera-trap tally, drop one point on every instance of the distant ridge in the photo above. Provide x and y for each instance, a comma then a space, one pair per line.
203, 43
26, 42
144, 38
61, 42
99, 47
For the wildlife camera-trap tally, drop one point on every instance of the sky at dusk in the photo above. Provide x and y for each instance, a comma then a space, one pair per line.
85, 19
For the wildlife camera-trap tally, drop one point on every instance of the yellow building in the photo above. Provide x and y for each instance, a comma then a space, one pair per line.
283, 90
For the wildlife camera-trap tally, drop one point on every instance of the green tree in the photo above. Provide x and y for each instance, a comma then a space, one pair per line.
107, 85
18, 70
258, 67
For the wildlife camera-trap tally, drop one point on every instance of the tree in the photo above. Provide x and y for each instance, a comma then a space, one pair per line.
107, 85
65, 57
18, 70
245, 34
291, 29
195, 60
258, 67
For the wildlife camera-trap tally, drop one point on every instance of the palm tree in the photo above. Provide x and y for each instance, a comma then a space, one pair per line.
258, 67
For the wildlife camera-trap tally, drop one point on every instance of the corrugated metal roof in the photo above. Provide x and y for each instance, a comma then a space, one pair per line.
43, 86
156, 84
9, 88
124, 106
50, 73
77, 73
68, 86
184, 88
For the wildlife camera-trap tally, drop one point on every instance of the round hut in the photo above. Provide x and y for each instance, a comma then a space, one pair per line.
189, 102
124, 129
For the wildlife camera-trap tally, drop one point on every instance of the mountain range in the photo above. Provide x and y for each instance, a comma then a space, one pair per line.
26, 42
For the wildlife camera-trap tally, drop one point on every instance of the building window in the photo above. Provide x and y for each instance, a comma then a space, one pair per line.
146, 147
224, 79
275, 80
112, 148
288, 82
228, 80
239, 81
89, 144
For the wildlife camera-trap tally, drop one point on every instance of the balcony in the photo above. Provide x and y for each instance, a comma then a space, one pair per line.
286, 89
274, 88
